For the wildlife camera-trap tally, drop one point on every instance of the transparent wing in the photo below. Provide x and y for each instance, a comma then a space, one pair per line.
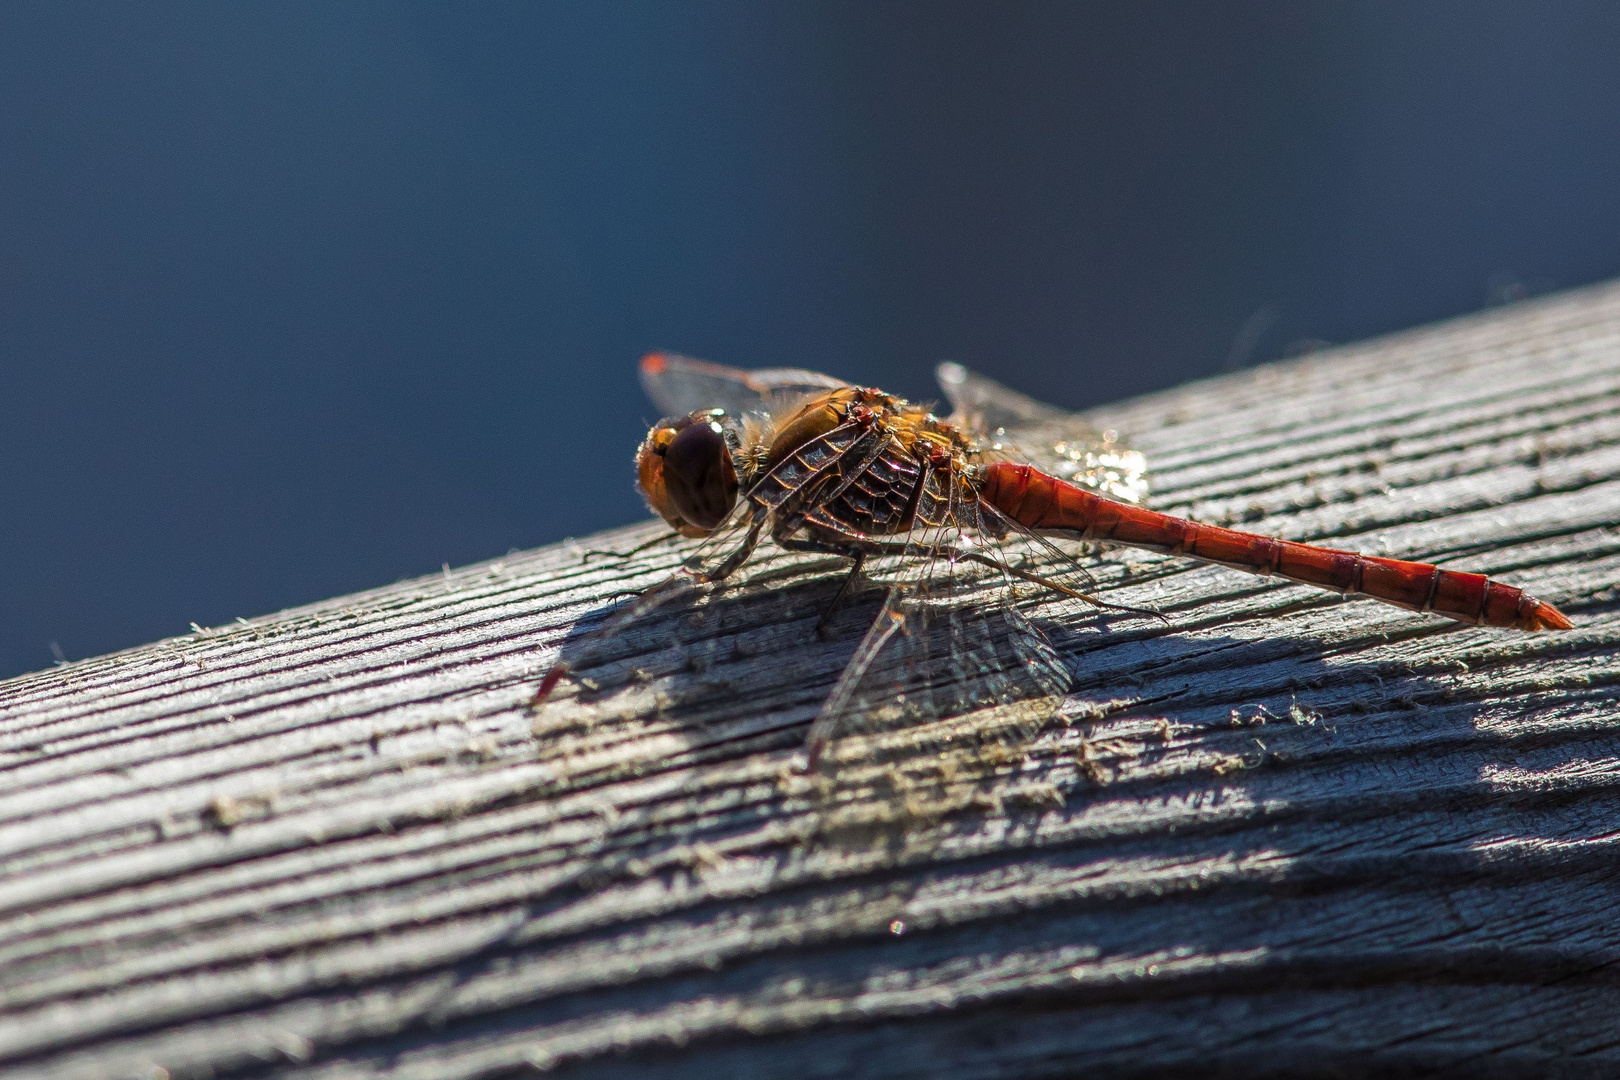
950, 666
986, 403
680, 385
1015, 427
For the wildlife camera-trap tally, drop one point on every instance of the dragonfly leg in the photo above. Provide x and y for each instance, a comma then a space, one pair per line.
666, 590
736, 558
856, 555
673, 534
879, 547
838, 597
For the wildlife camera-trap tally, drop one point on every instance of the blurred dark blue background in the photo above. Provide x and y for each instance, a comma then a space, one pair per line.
299, 299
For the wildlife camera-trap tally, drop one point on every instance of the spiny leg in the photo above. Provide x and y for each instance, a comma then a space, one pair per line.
857, 557
880, 547
737, 557
825, 621
673, 534
1062, 588
686, 577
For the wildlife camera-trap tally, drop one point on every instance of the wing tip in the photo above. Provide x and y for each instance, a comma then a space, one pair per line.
654, 363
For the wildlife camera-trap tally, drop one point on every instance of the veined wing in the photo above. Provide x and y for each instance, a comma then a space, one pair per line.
1015, 427
985, 403
950, 663
679, 385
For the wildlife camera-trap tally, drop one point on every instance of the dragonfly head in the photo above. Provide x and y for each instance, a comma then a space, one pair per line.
686, 474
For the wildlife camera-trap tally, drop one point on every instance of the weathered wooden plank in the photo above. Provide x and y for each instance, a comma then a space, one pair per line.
1281, 834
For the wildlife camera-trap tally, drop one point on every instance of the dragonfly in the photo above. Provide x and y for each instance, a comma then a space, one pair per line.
956, 518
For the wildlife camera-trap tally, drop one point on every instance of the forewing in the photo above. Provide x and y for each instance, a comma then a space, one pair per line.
679, 385
985, 403
1014, 427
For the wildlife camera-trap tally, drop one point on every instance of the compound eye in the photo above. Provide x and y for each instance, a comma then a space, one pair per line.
698, 476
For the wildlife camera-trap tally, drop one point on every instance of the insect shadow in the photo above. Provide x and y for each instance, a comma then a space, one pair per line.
719, 673
729, 674
736, 675
1301, 774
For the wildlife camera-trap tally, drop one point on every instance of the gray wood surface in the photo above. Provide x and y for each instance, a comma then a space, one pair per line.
1283, 834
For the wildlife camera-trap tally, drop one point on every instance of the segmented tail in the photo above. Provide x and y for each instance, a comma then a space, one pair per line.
1038, 501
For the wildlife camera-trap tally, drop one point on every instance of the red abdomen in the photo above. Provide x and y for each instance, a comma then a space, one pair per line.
1044, 503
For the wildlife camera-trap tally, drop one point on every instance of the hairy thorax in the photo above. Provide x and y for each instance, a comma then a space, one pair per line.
887, 446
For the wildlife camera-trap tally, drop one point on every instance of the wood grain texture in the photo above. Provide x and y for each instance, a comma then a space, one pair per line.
1283, 834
